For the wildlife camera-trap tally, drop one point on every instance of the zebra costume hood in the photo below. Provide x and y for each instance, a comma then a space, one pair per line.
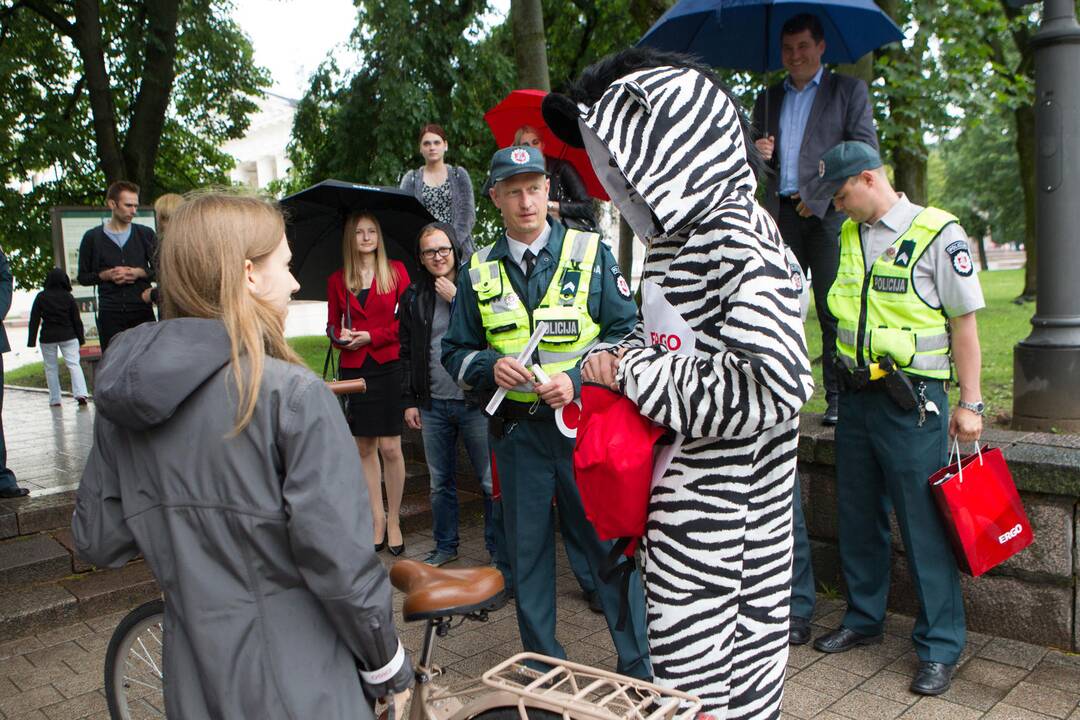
673, 151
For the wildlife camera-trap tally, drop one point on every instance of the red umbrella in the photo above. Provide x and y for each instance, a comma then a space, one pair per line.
522, 107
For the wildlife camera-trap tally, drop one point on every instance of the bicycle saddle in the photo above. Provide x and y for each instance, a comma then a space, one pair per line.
432, 592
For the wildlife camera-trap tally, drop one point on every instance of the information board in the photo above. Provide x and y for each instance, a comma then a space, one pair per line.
69, 224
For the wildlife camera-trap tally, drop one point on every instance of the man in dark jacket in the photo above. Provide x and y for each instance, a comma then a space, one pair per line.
433, 402
118, 257
797, 120
8, 487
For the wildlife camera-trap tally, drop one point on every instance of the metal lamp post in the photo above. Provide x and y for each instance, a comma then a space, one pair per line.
1046, 364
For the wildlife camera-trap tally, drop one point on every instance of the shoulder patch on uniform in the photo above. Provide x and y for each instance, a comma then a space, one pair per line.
620, 282
961, 258
956, 246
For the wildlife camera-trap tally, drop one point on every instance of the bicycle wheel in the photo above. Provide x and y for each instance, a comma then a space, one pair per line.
134, 675
510, 712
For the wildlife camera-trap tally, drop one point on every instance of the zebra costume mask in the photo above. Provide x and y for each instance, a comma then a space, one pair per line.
671, 148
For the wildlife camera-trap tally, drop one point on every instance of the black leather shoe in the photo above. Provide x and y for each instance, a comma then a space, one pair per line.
799, 634
593, 598
832, 413
842, 640
933, 678
397, 549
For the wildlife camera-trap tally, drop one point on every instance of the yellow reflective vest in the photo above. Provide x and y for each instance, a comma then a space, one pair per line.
508, 323
880, 312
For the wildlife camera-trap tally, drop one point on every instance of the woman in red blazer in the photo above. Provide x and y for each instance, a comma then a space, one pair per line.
362, 300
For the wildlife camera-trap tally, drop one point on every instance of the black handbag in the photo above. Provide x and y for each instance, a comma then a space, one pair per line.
334, 368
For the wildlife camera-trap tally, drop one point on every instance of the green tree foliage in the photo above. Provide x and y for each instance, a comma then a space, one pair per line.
979, 180
361, 124
92, 92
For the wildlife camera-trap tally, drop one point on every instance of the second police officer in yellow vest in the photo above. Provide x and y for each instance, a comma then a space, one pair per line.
905, 298
537, 271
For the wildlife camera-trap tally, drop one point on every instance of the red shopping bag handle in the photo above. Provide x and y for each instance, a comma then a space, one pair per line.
955, 450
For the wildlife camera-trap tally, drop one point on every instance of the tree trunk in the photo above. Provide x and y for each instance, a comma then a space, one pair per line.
1025, 152
530, 45
863, 68
148, 115
909, 172
87, 40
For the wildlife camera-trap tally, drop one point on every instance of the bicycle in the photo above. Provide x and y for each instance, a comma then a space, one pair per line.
511, 690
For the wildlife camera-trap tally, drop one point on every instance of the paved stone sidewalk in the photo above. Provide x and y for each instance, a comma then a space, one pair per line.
58, 674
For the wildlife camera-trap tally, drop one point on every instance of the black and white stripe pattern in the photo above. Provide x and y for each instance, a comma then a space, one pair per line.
718, 542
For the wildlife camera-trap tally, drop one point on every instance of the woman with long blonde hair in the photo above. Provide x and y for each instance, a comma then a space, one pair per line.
224, 461
362, 306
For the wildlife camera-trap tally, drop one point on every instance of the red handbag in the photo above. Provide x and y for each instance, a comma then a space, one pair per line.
613, 464
981, 509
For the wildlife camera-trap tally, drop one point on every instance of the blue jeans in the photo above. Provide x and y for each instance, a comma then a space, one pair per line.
442, 425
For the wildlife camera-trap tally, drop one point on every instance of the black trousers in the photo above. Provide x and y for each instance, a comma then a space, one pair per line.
816, 244
7, 477
110, 322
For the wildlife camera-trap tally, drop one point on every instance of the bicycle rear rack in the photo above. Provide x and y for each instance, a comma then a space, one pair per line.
580, 691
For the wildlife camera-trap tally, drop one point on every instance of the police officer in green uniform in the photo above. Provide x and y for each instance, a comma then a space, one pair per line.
905, 298
540, 270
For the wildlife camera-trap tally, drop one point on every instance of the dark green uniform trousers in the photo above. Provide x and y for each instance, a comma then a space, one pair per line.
535, 464
882, 454
803, 594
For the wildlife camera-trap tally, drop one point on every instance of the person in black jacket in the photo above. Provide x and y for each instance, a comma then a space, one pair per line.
568, 200
9, 488
434, 404
57, 313
118, 257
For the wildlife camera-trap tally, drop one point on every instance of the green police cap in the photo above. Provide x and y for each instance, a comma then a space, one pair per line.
843, 161
516, 160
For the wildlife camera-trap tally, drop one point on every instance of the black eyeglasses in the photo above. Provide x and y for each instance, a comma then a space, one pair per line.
440, 251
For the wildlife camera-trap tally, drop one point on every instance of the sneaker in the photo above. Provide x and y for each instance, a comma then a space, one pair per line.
438, 558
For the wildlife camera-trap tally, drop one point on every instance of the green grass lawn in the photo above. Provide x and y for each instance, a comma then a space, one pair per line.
1001, 325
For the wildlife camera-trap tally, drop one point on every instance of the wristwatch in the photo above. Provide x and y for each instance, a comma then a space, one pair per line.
976, 407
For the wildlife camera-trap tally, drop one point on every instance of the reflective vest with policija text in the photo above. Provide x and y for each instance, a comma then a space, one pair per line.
508, 324
880, 313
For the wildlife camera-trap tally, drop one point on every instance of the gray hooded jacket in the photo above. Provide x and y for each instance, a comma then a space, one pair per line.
261, 542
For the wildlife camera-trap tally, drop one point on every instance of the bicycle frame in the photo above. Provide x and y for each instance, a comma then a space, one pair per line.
567, 689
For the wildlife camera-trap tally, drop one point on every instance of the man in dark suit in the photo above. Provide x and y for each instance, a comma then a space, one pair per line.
8, 487
798, 120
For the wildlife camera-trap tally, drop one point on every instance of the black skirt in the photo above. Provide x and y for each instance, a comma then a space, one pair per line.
377, 412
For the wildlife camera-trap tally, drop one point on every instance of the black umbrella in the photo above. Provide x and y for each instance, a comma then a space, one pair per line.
316, 221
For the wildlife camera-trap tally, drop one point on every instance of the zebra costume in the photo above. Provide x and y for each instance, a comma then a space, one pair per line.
670, 147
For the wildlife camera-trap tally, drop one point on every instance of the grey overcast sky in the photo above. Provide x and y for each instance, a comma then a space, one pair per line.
291, 37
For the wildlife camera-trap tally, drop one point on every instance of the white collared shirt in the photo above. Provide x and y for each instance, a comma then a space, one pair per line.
518, 248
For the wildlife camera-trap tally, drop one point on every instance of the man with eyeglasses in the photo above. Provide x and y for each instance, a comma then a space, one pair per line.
433, 402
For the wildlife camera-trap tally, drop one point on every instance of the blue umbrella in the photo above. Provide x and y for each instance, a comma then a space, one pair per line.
745, 34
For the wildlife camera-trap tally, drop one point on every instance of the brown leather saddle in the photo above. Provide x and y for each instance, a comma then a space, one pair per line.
432, 592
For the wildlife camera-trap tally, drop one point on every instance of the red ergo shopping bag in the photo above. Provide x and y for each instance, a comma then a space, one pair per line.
613, 463
981, 509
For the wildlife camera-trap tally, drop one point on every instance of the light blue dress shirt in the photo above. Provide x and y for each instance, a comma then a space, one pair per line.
794, 112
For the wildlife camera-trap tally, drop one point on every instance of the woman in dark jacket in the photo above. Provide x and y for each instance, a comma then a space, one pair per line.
444, 189
56, 311
223, 460
568, 200
362, 319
